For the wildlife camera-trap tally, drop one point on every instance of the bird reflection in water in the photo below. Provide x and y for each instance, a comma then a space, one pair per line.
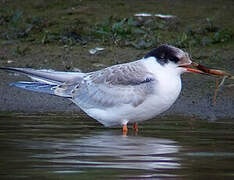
110, 150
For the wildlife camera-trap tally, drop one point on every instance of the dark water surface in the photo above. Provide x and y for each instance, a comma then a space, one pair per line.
52, 147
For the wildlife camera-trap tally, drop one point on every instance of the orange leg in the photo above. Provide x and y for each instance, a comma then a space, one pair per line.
135, 127
125, 129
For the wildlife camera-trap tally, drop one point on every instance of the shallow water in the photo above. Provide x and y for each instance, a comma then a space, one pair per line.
52, 147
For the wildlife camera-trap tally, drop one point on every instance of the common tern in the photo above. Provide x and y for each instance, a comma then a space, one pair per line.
121, 94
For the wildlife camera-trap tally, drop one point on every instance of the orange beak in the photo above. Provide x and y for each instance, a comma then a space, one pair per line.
190, 69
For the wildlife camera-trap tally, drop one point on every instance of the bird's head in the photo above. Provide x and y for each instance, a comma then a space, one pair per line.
167, 54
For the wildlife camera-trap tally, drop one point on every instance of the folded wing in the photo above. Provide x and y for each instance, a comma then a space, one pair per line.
129, 83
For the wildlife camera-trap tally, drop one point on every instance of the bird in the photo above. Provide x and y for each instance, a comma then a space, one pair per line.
121, 94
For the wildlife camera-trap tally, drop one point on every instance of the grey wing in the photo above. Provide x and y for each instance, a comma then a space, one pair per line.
129, 83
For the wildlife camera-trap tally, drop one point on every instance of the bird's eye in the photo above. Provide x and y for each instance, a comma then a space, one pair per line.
174, 59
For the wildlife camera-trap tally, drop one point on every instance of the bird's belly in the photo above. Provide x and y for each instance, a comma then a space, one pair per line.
127, 113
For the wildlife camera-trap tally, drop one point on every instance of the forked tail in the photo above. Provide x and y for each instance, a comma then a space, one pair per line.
46, 81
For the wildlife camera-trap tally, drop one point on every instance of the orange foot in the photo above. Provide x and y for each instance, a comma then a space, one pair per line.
125, 129
135, 127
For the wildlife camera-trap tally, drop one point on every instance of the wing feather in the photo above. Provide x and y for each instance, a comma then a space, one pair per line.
128, 83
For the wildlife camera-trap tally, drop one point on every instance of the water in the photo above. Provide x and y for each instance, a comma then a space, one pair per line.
59, 147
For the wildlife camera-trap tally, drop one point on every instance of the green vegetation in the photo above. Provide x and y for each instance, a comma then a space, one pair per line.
139, 33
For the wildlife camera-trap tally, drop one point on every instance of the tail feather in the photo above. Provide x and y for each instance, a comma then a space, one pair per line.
48, 81
48, 76
36, 86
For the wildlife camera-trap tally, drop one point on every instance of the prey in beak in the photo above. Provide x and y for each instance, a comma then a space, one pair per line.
200, 69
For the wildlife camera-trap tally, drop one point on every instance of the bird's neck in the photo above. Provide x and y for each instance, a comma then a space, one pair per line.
167, 76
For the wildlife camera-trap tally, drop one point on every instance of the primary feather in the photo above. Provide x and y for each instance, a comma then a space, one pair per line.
36, 86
